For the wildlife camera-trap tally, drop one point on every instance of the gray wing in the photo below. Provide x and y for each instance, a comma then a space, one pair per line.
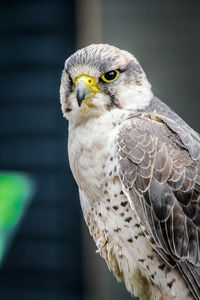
160, 168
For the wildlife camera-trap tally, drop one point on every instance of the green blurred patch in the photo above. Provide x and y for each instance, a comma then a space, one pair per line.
16, 190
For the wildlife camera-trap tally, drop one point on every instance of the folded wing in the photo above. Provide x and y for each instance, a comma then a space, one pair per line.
160, 168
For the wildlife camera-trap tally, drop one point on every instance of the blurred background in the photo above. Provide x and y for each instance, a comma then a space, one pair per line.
45, 250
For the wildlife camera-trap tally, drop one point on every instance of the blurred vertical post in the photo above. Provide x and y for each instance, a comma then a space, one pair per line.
88, 22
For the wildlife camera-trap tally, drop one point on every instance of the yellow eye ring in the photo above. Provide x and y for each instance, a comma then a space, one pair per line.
110, 76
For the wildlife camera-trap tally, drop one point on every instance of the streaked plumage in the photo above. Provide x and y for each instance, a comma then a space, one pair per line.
137, 166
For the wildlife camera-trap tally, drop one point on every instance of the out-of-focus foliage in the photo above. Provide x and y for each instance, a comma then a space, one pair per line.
16, 190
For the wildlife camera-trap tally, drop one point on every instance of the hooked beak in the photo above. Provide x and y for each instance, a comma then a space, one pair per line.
86, 88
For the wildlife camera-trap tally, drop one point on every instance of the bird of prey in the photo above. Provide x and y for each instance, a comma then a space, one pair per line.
137, 167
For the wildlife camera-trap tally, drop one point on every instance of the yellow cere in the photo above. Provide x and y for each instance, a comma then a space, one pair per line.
90, 81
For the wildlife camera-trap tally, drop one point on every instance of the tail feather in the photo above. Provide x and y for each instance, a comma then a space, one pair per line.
191, 274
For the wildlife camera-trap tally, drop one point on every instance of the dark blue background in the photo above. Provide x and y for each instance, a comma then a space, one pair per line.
44, 261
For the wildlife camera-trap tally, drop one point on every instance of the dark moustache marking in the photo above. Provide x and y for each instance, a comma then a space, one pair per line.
69, 82
67, 110
113, 101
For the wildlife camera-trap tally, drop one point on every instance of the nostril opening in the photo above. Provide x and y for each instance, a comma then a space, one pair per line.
89, 80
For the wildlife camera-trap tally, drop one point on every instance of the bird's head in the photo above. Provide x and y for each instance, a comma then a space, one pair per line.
100, 78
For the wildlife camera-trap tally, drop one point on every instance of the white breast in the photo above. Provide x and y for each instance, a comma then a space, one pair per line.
112, 222
89, 146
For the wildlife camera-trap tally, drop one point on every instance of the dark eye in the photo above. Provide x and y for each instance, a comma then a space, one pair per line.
110, 76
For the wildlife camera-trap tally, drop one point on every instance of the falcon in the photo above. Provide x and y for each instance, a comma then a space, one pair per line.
136, 164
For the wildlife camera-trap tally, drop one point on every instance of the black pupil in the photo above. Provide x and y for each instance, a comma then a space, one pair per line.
110, 75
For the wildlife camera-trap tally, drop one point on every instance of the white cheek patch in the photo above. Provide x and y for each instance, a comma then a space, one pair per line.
135, 96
